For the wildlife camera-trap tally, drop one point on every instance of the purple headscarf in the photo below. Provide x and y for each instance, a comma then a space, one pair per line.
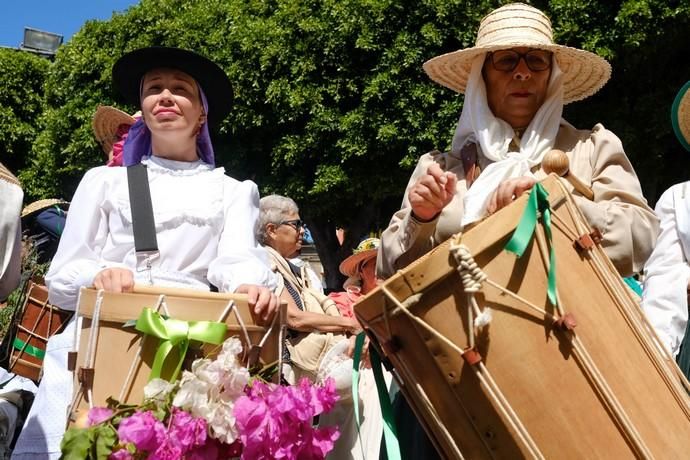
138, 143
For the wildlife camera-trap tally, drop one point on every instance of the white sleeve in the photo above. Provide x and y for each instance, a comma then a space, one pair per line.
78, 257
665, 295
11, 196
240, 259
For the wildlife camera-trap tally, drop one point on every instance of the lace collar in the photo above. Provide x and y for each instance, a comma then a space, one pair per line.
179, 168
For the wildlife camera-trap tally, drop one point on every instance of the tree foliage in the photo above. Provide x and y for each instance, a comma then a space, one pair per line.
331, 104
21, 104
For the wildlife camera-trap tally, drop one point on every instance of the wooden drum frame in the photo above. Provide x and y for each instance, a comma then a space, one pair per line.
493, 370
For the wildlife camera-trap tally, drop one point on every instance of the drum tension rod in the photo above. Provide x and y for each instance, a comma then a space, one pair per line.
471, 356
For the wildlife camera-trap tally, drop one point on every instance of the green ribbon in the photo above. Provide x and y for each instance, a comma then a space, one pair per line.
538, 202
389, 433
30, 350
176, 333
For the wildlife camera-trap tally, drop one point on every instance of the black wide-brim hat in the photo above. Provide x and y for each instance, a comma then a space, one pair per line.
130, 69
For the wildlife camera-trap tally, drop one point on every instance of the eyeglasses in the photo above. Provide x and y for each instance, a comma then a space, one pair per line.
294, 223
507, 60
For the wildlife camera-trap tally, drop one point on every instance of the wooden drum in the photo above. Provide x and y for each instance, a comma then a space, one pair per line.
113, 359
38, 322
494, 370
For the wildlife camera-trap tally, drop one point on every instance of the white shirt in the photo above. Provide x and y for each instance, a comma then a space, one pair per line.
204, 224
665, 295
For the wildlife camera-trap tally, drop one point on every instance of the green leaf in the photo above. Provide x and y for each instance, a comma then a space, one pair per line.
77, 444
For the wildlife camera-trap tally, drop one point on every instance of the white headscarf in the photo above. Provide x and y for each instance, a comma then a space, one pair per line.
492, 135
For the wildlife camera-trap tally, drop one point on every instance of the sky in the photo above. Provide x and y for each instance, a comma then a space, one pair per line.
64, 17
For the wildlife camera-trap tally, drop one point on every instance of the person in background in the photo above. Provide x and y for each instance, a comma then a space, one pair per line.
11, 197
360, 269
111, 127
204, 220
320, 340
43, 222
667, 272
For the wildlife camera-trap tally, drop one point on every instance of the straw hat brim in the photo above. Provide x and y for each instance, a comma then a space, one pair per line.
348, 267
680, 116
7, 176
130, 68
40, 205
106, 122
584, 73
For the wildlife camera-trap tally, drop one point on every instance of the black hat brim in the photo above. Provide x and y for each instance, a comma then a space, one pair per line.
130, 68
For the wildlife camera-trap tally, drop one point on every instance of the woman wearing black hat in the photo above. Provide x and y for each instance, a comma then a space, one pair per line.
204, 220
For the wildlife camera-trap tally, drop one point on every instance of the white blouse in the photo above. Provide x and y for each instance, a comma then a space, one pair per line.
204, 223
665, 296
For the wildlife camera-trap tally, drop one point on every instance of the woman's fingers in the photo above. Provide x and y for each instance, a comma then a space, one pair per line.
114, 280
507, 191
432, 192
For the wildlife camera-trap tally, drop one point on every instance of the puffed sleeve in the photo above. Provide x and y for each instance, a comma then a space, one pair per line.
78, 257
619, 210
240, 259
11, 196
665, 295
407, 238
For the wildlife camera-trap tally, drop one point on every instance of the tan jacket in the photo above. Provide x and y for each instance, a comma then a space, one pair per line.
619, 211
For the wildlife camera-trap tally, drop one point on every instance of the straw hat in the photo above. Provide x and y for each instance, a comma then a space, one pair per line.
366, 249
7, 176
40, 205
680, 116
130, 68
520, 25
106, 122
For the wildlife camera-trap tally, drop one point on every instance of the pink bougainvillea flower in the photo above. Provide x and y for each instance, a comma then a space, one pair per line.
143, 430
188, 431
121, 454
98, 414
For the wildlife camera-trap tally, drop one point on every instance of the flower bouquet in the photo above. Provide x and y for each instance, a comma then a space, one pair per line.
218, 410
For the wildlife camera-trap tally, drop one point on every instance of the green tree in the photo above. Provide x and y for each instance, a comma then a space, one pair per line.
332, 107
21, 97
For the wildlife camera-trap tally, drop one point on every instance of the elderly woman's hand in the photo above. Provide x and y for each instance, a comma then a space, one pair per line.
262, 301
114, 280
508, 190
432, 192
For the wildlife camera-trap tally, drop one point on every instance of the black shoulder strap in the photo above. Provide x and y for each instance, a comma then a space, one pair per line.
142, 209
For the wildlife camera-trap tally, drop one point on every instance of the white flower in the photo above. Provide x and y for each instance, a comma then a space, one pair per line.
157, 389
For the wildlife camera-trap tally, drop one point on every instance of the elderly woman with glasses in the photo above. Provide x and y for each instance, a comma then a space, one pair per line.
516, 81
320, 340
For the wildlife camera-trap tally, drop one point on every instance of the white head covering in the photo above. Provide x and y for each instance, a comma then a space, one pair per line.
492, 135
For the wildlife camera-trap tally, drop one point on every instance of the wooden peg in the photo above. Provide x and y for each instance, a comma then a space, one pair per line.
556, 161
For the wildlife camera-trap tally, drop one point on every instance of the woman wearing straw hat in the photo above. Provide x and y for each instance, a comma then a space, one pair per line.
667, 272
516, 81
360, 269
111, 127
204, 220
11, 196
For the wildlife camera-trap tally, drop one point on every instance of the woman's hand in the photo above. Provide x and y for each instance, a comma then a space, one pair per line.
508, 190
262, 301
114, 280
432, 192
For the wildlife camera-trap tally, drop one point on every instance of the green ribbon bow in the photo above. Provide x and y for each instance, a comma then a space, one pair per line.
176, 333
537, 202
